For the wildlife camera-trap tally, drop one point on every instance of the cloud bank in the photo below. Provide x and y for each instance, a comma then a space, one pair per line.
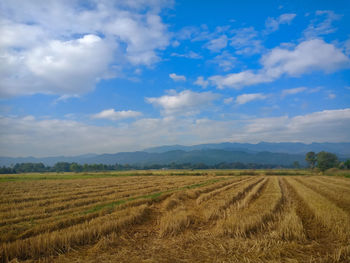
28, 135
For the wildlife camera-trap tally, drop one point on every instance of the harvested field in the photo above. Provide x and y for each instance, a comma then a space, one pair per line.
175, 216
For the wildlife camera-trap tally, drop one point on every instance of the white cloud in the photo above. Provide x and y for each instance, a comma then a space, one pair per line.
225, 61
216, 44
191, 54
293, 91
188, 32
347, 47
332, 96
322, 24
272, 24
175, 77
323, 126
45, 42
286, 18
29, 136
175, 43
113, 115
228, 100
143, 37
61, 67
308, 56
186, 102
245, 41
238, 80
201, 82
30, 35
245, 98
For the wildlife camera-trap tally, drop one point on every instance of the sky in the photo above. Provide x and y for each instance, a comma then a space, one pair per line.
80, 77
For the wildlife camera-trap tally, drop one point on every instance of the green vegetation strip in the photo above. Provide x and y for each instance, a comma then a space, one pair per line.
152, 196
91, 175
31, 177
70, 176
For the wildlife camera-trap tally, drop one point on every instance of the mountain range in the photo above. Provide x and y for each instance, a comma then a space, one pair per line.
342, 149
262, 153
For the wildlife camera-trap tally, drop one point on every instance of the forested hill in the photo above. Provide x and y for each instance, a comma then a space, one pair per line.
341, 149
207, 156
262, 153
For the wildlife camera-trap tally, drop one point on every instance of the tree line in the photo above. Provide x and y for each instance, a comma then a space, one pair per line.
322, 160
75, 167
325, 160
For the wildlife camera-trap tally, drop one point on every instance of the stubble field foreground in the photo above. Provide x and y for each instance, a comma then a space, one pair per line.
175, 216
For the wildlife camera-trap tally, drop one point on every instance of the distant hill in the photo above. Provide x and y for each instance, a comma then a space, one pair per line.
208, 156
261, 153
45, 160
342, 149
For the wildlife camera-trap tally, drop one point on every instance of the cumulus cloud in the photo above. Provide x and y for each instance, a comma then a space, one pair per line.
143, 37
308, 56
175, 77
65, 48
293, 91
200, 81
245, 98
30, 35
186, 102
272, 24
60, 67
24, 136
113, 115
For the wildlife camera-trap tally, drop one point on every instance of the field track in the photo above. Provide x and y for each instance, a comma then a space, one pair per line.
178, 218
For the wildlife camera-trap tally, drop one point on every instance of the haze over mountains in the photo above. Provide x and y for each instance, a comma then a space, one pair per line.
261, 153
283, 147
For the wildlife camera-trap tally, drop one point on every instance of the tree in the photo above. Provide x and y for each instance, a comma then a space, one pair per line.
341, 165
74, 167
311, 159
347, 164
296, 165
326, 160
29, 167
61, 167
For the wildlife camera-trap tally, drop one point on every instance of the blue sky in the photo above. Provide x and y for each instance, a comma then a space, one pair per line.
82, 77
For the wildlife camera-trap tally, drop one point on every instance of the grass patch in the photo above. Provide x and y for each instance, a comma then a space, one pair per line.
62, 176
337, 172
92, 175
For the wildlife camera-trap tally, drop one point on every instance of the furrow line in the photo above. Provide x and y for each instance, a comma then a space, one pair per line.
337, 195
252, 215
